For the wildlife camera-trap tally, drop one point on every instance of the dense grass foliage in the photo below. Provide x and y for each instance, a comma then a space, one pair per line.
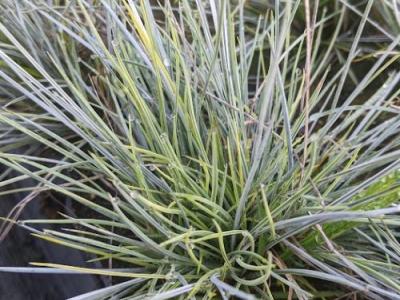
212, 149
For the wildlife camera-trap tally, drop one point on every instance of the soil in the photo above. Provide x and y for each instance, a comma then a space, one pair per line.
20, 247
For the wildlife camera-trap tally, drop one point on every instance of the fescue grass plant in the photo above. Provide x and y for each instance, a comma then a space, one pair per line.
213, 149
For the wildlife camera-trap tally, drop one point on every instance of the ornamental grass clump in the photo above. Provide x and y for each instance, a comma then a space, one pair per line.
212, 149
